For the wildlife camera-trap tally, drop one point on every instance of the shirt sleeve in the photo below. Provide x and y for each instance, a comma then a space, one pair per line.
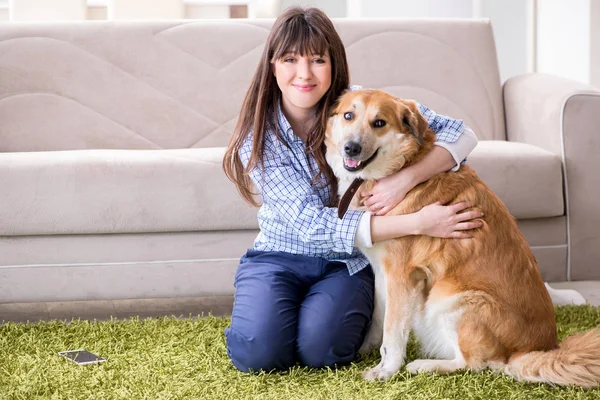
363, 232
461, 148
451, 134
290, 195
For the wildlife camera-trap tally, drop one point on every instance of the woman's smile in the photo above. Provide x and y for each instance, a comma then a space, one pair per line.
304, 87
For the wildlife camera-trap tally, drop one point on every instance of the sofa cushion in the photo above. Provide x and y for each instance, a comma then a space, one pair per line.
527, 178
129, 191
118, 191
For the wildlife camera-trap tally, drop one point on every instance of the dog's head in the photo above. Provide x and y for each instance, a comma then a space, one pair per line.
372, 134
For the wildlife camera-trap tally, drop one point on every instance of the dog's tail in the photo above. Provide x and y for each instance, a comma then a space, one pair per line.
575, 362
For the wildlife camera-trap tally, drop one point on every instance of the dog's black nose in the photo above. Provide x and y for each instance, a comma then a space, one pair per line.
352, 149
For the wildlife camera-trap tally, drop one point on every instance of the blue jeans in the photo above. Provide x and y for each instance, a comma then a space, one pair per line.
291, 308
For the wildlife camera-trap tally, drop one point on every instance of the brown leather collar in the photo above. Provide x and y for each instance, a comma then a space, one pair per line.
347, 197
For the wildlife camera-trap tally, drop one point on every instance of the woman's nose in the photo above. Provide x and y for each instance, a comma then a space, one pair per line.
304, 71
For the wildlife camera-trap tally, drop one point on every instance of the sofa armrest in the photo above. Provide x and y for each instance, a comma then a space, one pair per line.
563, 116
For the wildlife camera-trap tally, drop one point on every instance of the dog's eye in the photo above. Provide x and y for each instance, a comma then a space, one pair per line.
379, 123
348, 116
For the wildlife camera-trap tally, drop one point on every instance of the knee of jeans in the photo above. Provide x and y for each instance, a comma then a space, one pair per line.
318, 349
253, 354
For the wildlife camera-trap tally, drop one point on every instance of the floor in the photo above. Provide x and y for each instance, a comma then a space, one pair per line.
180, 307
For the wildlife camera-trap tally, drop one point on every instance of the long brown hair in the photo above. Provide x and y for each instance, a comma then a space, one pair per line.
307, 31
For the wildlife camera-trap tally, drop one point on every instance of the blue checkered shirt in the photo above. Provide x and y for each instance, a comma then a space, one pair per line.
293, 217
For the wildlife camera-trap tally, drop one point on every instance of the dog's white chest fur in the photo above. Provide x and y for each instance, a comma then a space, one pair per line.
435, 325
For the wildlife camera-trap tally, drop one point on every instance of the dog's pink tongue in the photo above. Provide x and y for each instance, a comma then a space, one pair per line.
351, 163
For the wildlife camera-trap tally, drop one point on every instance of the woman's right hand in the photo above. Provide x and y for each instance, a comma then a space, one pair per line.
448, 221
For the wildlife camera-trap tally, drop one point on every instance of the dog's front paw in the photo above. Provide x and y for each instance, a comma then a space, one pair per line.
378, 373
372, 374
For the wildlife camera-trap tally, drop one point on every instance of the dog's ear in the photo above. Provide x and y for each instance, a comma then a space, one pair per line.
413, 120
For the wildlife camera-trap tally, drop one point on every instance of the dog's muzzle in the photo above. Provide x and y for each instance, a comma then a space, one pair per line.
351, 151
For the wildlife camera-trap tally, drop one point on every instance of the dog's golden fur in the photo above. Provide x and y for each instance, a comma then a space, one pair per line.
478, 302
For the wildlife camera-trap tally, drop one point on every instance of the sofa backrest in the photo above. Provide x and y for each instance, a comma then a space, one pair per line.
152, 85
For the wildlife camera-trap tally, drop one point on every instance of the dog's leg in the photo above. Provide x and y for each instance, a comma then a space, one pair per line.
474, 340
401, 299
374, 336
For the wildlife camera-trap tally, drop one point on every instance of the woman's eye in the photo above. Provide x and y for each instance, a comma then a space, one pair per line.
319, 61
379, 123
348, 116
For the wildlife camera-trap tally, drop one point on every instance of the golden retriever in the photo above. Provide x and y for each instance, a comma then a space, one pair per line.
473, 303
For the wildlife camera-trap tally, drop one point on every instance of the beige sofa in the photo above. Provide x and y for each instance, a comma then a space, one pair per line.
112, 133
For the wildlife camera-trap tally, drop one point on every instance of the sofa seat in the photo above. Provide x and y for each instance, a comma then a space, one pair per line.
137, 191
118, 191
527, 179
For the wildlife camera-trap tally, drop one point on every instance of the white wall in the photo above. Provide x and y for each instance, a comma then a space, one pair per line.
595, 43
195, 11
513, 33
411, 8
44, 10
333, 8
3, 10
563, 38
144, 9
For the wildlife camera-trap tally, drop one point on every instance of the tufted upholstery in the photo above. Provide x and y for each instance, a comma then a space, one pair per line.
180, 84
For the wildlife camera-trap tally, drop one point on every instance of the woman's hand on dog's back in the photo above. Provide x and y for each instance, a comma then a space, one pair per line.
442, 221
435, 220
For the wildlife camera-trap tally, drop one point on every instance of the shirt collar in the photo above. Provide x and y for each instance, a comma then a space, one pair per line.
285, 127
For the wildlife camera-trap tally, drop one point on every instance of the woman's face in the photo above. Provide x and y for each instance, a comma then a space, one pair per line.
303, 80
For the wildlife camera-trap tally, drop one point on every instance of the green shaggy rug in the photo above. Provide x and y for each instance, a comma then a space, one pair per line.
171, 358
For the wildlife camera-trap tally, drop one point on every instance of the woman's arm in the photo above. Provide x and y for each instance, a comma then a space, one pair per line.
432, 220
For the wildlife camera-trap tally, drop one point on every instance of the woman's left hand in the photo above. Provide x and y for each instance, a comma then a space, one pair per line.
388, 192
